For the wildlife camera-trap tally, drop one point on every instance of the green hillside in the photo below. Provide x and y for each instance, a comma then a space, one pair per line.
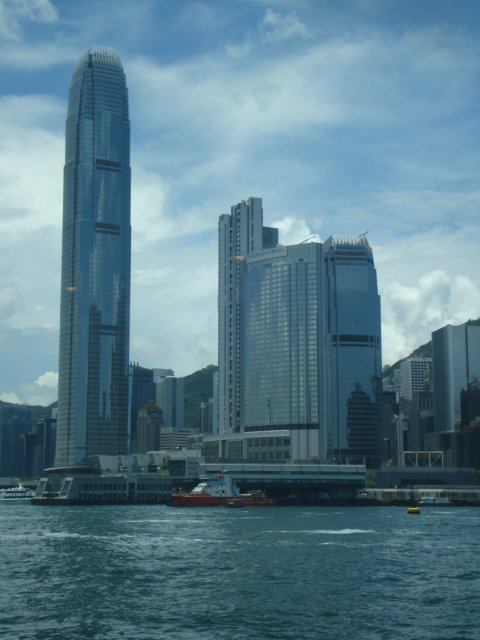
198, 388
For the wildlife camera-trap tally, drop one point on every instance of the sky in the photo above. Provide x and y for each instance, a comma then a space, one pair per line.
345, 116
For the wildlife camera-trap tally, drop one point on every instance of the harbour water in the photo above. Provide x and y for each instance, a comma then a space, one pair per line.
157, 572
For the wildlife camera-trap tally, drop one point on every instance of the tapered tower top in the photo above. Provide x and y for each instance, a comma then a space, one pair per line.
100, 53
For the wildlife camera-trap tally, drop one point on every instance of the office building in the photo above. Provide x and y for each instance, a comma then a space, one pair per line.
456, 363
148, 428
15, 425
470, 404
96, 248
283, 376
420, 419
415, 375
141, 390
173, 439
170, 397
159, 374
206, 416
353, 360
39, 447
241, 233
299, 340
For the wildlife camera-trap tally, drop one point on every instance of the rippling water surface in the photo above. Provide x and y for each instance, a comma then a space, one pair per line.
157, 572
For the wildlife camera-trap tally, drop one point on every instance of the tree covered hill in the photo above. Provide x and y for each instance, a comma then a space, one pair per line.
198, 388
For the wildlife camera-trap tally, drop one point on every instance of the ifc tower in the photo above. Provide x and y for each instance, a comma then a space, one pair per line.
96, 256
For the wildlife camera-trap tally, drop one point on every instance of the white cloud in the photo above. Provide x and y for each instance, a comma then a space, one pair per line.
43, 391
340, 130
336, 107
48, 379
411, 313
10, 301
31, 209
293, 231
278, 28
36, 56
239, 50
37, 10
33, 123
10, 396
173, 311
14, 12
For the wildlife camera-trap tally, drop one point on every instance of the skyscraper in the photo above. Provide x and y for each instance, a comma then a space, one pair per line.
283, 374
456, 363
170, 397
299, 338
240, 234
353, 357
96, 250
141, 389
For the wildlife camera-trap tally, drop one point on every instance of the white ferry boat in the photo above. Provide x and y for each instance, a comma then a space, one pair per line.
16, 493
212, 490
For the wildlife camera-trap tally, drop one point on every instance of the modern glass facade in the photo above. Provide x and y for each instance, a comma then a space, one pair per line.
283, 360
96, 250
282, 291
241, 233
300, 343
456, 363
353, 348
141, 389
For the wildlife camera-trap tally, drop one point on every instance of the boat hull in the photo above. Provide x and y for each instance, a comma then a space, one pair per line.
250, 502
197, 500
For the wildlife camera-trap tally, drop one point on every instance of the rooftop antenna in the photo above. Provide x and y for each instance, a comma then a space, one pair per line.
307, 239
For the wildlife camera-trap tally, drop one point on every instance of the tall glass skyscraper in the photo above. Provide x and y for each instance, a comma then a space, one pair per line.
352, 339
456, 363
299, 339
96, 251
240, 234
283, 375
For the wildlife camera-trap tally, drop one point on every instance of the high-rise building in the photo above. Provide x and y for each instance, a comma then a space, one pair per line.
141, 390
353, 360
470, 404
15, 425
299, 339
420, 419
96, 249
282, 377
241, 233
170, 397
415, 374
456, 363
149, 424
39, 451
159, 374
